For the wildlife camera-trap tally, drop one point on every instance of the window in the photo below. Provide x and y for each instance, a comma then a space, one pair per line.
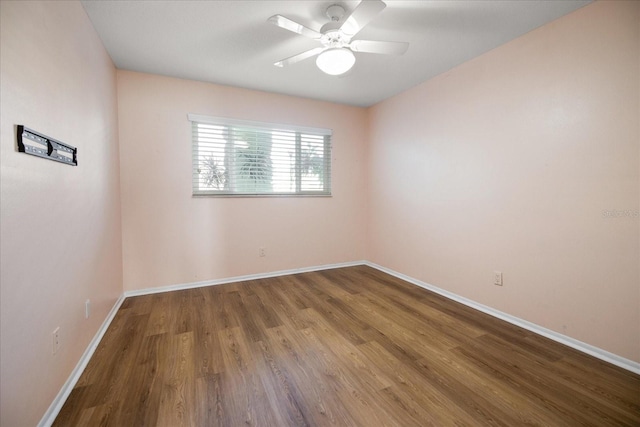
240, 158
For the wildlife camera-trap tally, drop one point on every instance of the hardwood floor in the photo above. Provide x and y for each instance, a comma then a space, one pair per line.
344, 347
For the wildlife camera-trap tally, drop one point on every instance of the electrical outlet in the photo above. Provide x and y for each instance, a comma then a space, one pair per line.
87, 309
56, 340
497, 278
262, 252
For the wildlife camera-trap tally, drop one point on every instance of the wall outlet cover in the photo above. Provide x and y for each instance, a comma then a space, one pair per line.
497, 278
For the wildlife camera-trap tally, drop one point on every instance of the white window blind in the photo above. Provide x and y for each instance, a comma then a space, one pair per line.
242, 158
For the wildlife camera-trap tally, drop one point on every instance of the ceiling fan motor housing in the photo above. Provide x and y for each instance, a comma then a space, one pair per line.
333, 38
331, 34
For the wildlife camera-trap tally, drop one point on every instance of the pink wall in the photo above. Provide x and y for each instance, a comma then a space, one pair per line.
170, 237
507, 163
60, 230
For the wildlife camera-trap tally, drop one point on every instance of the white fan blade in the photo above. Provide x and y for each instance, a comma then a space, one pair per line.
299, 57
290, 25
387, 48
361, 16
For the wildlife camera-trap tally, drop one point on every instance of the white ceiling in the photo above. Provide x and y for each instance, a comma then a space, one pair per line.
231, 42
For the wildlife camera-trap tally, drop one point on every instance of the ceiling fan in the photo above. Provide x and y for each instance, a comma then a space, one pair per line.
336, 53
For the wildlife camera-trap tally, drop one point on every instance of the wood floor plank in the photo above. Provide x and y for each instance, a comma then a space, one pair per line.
342, 347
281, 304
266, 316
558, 400
308, 372
138, 402
282, 393
617, 404
209, 393
208, 360
159, 315
425, 404
100, 416
178, 388
354, 332
224, 314
247, 403
543, 376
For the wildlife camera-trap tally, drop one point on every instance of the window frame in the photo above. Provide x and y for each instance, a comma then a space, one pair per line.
326, 134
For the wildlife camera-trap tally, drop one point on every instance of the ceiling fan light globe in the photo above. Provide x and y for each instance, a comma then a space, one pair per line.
336, 61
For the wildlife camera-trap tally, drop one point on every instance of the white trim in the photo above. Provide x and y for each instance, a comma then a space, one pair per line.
234, 279
54, 409
589, 349
263, 125
51, 414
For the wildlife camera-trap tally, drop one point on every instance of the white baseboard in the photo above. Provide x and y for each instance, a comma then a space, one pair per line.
51, 414
599, 353
192, 285
54, 409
